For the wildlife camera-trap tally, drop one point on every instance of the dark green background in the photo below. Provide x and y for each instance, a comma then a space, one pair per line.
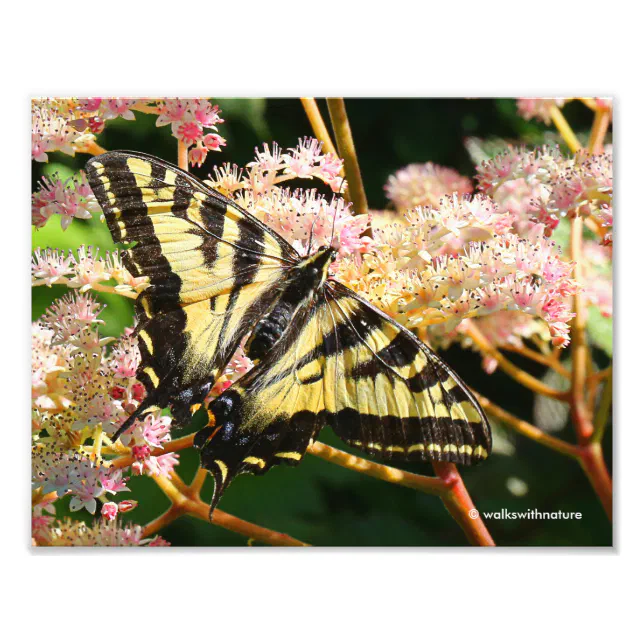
319, 502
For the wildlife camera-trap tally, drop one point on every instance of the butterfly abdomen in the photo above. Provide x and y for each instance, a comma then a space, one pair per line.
269, 330
304, 280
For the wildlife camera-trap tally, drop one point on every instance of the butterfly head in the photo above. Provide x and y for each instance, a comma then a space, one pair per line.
315, 268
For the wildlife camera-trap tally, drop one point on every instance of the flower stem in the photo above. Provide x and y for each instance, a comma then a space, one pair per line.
448, 485
183, 155
427, 484
523, 377
99, 288
93, 148
579, 407
183, 504
141, 106
198, 481
319, 127
599, 129
603, 412
459, 504
548, 361
347, 151
172, 446
564, 129
592, 460
156, 525
526, 429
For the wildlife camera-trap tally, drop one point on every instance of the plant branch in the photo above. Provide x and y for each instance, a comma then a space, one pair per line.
592, 460
522, 377
96, 286
319, 127
427, 484
599, 129
183, 155
547, 361
37, 497
156, 525
197, 482
347, 151
186, 505
93, 148
564, 129
526, 429
603, 412
171, 446
459, 504
448, 485
579, 407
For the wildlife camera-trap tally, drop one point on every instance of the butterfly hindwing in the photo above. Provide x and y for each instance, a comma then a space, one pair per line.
343, 363
211, 268
268, 417
388, 394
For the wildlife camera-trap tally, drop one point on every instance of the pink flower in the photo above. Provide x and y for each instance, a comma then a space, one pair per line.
126, 506
424, 185
197, 155
189, 132
141, 452
538, 108
70, 199
109, 510
213, 142
188, 118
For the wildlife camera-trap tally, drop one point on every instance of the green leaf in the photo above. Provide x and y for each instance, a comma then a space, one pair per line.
600, 330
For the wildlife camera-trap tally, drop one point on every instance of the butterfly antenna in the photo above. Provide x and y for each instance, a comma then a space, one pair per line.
337, 196
308, 250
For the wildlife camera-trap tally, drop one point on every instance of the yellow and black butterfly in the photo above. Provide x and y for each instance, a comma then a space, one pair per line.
322, 354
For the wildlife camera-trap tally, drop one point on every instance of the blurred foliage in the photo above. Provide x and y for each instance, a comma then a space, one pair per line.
319, 502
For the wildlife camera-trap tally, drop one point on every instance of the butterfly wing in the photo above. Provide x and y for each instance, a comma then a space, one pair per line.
388, 394
212, 269
344, 363
269, 416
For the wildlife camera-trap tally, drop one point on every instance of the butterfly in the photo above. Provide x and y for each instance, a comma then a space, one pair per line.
322, 354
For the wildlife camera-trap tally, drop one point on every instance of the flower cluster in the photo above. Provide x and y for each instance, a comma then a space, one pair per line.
424, 185
305, 218
541, 186
82, 393
94, 112
70, 199
308, 220
68, 472
189, 118
71, 125
440, 266
539, 108
86, 270
101, 533
54, 129
272, 166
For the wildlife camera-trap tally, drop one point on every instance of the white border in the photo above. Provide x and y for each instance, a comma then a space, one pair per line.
327, 48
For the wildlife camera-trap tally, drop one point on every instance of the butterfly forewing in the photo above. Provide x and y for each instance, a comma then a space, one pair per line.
212, 268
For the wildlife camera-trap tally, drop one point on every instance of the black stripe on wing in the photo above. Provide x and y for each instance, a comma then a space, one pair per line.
395, 398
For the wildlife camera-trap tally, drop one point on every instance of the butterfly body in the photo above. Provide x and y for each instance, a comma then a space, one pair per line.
304, 280
322, 354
